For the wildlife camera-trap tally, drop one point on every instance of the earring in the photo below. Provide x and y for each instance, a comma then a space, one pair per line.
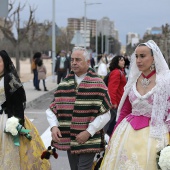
152, 67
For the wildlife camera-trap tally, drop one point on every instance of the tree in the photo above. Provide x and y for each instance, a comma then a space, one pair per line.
37, 37
13, 20
63, 40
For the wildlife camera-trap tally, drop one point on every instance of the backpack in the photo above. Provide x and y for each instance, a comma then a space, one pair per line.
33, 65
106, 79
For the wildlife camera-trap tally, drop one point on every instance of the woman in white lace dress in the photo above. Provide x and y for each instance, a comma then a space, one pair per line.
143, 123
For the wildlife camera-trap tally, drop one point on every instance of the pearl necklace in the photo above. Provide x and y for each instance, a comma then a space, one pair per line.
146, 81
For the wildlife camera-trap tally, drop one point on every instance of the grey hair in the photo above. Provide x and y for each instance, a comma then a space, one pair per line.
85, 54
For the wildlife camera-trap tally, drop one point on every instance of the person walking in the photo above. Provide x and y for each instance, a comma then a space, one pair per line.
42, 71
62, 66
142, 128
34, 61
69, 59
79, 111
102, 69
92, 62
23, 152
116, 83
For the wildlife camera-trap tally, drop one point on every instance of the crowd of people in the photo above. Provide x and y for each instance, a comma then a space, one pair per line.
132, 109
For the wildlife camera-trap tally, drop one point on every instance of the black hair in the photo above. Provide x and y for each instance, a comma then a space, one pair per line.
39, 62
148, 47
115, 62
7, 61
37, 55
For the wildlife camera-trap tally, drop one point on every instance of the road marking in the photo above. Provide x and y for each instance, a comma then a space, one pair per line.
46, 137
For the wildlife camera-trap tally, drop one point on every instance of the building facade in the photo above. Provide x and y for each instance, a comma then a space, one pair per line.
77, 24
132, 38
106, 27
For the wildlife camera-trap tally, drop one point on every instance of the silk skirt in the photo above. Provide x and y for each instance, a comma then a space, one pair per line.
130, 149
27, 156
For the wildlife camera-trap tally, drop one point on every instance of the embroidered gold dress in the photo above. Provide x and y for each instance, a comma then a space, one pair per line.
28, 155
131, 149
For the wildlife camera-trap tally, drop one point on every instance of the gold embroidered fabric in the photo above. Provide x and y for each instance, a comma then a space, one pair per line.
9, 154
25, 157
30, 151
131, 149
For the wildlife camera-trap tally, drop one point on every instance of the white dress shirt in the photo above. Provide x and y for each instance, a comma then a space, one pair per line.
97, 124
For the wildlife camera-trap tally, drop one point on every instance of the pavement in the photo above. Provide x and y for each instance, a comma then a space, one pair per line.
33, 96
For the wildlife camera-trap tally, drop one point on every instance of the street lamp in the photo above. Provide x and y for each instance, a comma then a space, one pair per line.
53, 40
96, 40
85, 5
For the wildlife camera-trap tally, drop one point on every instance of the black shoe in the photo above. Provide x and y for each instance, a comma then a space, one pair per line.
39, 89
45, 89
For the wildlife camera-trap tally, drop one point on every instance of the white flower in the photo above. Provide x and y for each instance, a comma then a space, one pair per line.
11, 125
164, 159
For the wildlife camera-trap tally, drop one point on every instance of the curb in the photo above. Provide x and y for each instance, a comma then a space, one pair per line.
33, 102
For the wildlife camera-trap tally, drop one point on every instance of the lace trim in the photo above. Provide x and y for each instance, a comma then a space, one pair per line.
129, 164
139, 102
114, 142
145, 96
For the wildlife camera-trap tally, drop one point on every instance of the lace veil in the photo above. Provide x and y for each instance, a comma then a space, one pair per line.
159, 110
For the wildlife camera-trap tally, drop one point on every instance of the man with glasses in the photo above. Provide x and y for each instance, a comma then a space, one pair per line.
79, 111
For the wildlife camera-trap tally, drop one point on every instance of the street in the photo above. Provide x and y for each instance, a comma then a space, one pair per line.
37, 115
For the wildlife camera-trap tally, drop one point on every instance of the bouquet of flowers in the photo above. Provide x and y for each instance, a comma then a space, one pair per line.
15, 129
163, 160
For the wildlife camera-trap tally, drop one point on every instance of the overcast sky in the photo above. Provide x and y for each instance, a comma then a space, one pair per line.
128, 15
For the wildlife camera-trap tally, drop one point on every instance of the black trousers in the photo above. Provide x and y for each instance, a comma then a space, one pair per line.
35, 79
61, 75
108, 128
81, 161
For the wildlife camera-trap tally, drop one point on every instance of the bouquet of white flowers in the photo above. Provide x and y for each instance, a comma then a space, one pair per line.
15, 129
163, 160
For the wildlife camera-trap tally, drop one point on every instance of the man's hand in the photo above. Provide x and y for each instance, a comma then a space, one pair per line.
82, 137
56, 134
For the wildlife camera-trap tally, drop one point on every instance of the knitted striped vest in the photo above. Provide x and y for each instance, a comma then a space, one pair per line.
75, 107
